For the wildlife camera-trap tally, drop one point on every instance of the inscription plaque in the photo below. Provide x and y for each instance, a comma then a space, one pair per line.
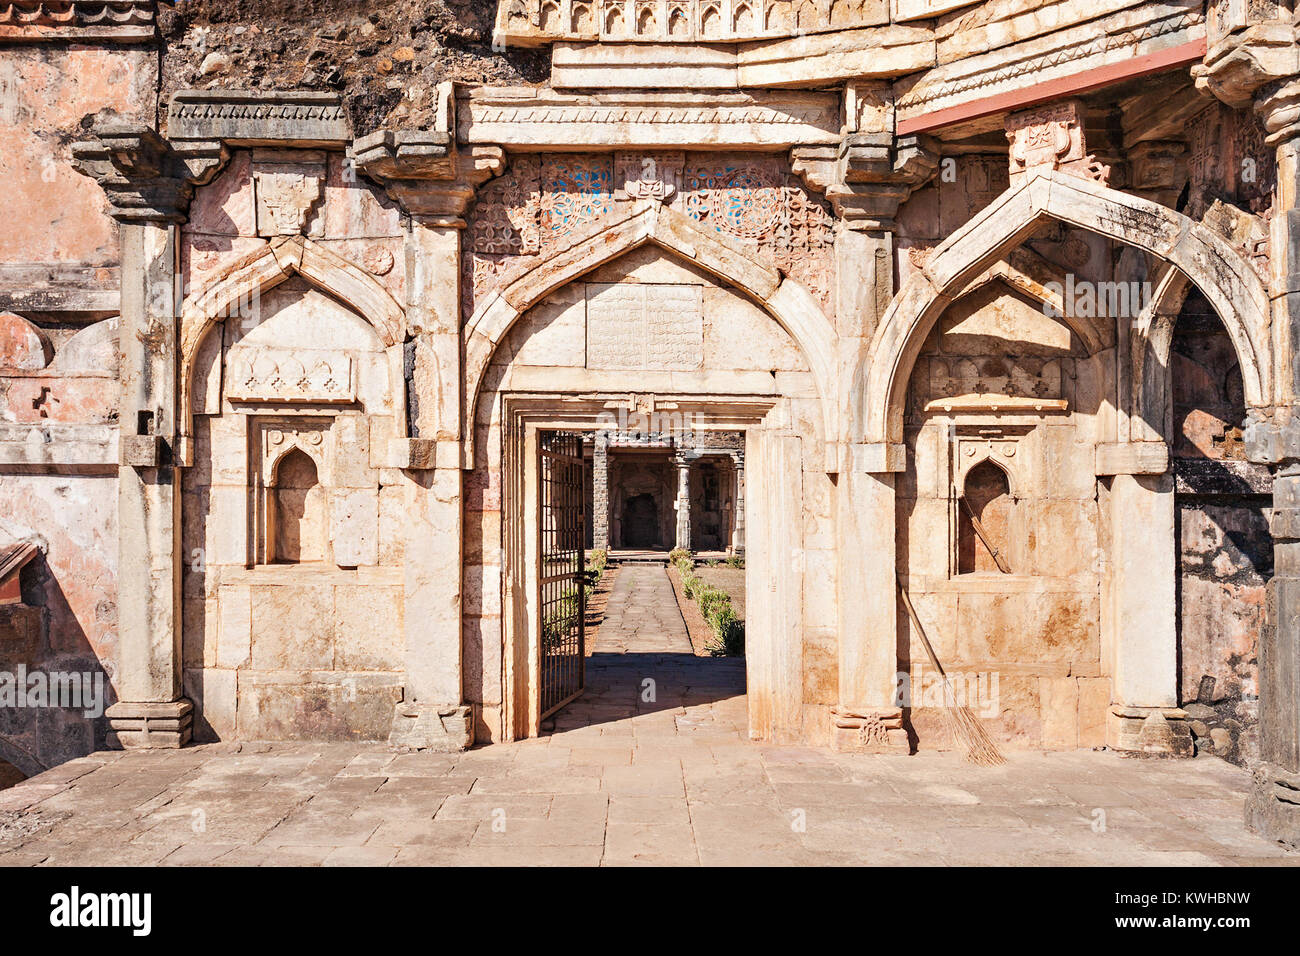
645, 326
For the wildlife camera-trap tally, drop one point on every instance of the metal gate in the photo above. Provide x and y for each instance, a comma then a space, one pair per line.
562, 576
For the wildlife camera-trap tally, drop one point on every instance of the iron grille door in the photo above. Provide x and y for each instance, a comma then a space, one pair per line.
562, 575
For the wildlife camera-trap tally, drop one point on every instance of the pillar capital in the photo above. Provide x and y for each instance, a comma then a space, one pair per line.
1242, 58
868, 175
146, 177
425, 172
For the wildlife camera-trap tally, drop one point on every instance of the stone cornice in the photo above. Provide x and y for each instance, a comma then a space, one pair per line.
259, 118
146, 178
530, 119
1119, 37
39, 21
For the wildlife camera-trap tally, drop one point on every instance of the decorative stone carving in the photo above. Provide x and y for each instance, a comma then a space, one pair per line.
289, 376
1109, 41
287, 191
1050, 138
635, 326
128, 21
145, 177
648, 176
540, 22
298, 117
542, 203
753, 200
545, 119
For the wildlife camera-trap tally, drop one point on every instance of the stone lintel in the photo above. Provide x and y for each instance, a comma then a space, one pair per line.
59, 287
259, 118
150, 725
442, 729
1129, 43
1132, 458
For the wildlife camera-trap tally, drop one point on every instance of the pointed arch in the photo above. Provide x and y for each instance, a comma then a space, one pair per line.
276, 262
789, 303
1211, 263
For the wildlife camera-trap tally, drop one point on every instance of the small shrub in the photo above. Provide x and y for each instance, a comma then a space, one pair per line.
735, 561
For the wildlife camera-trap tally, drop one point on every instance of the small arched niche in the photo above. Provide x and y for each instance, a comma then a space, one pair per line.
985, 522
297, 520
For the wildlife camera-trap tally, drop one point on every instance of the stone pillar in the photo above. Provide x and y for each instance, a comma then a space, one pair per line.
869, 715
1143, 639
866, 178
738, 505
1273, 807
434, 181
683, 504
600, 492
149, 184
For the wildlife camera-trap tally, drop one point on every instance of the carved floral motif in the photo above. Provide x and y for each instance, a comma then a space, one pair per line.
541, 204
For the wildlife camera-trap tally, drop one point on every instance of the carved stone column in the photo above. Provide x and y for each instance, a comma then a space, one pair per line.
600, 492
434, 182
149, 184
866, 178
738, 506
683, 504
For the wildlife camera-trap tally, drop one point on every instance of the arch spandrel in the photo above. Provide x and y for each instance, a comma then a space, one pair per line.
275, 263
785, 300
1221, 273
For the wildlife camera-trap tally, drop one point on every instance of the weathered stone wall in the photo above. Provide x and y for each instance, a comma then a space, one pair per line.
59, 272
286, 637
1000, 381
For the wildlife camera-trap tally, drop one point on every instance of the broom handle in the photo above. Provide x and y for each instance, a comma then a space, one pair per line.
979, 530
916, 623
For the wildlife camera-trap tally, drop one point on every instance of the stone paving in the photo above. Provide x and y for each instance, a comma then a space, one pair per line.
650, 766
642, 615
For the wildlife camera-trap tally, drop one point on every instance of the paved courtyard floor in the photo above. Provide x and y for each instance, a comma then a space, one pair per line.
650, 766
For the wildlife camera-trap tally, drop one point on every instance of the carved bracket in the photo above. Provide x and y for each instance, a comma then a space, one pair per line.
147, 178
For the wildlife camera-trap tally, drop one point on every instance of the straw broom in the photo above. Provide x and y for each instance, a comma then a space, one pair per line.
962, 725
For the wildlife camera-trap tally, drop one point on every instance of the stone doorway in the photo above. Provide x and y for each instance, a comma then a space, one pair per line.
525, 418
641, 522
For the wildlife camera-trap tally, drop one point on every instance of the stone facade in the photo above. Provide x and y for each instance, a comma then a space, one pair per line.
992, 301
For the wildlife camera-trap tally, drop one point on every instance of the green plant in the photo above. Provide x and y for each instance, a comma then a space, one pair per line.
676, 555
735, 561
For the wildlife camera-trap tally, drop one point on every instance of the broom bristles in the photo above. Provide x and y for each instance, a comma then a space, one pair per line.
966, 731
